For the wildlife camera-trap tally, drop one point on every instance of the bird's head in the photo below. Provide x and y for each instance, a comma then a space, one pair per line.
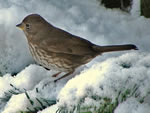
32, 24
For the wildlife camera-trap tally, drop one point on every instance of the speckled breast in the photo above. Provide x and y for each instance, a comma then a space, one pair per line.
41, 57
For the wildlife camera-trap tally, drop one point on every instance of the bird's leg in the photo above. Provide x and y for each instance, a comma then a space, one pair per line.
43, 67
55, 75
67, 74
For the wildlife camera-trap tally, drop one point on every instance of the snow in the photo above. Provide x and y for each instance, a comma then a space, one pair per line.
106, 79
132, 106
26, 79
104, 76
51, 109
15, 104
136, 8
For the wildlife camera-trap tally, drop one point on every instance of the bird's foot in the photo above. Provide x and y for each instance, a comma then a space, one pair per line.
67, 74
55, 75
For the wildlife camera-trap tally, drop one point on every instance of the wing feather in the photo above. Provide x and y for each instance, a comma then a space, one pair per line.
60, 41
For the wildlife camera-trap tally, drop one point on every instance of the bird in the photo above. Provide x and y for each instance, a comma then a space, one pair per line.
55, 48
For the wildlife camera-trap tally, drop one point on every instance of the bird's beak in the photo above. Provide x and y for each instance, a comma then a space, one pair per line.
20, 26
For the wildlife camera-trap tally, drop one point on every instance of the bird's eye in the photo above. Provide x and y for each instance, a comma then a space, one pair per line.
27, 26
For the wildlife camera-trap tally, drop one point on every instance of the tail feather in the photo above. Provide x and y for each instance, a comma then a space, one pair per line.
111, 48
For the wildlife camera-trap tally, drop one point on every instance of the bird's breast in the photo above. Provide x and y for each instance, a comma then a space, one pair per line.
45, 59
39, 55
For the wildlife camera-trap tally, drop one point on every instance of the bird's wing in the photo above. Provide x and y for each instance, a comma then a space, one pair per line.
59, 41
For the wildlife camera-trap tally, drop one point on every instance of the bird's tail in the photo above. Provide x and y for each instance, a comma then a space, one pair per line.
111, 48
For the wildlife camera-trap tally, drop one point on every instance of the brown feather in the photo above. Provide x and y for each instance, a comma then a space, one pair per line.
55, 48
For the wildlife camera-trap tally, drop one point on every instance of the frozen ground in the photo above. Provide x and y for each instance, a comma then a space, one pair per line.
87, 19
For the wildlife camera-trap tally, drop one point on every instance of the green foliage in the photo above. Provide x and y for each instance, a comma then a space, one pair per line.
126, 65
42, 104
107, 105
35, 104
7, 95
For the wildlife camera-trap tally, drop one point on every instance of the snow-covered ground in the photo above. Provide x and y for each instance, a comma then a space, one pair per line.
105, 76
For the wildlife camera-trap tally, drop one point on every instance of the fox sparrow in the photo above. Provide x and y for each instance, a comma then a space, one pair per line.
54, 48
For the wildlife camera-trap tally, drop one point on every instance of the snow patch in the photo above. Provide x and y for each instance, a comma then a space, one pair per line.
106, 80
